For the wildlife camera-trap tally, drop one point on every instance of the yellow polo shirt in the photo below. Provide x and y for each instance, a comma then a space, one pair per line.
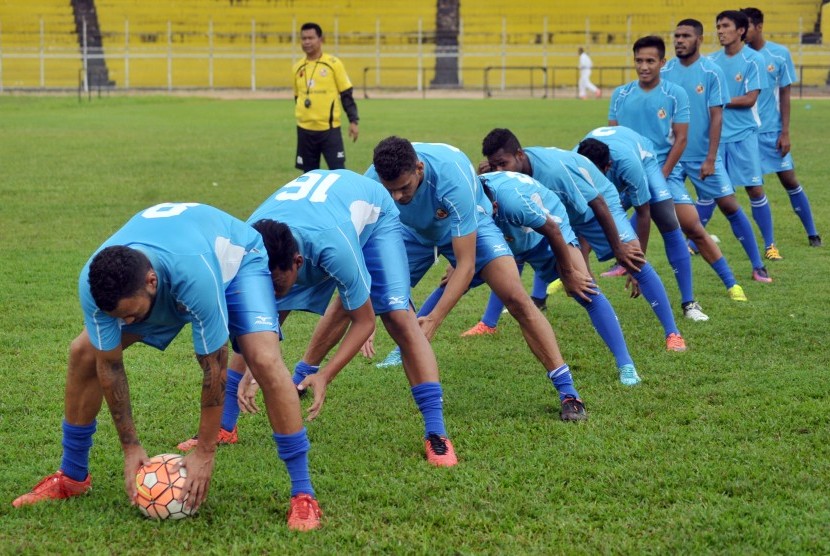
320, 81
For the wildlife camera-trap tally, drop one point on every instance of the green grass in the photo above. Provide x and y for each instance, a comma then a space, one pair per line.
723, 449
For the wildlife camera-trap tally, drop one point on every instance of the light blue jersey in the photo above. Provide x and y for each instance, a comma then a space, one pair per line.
651, 113
336, 216
631, 153
574, 179
744, 73
196, 251
705, 85
449, 201
524, 204
780, 72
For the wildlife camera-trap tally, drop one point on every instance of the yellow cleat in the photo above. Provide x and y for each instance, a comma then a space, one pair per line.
772, 254
736, 293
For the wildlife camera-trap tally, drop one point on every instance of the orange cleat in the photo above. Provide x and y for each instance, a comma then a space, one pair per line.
440, 451
54, 487
304, 514
479, 329
675, 342
223, 438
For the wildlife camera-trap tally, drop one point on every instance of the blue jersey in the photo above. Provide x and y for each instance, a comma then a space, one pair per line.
195, 250
744, 73
574, 179
651, 113
523, 204
332, 215
780, 72
628, 150
449, 201
705, 85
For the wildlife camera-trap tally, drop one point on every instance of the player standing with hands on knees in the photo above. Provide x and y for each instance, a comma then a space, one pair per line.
170, 265
321, 87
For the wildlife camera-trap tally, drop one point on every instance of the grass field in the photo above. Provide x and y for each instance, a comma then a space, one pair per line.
722, 449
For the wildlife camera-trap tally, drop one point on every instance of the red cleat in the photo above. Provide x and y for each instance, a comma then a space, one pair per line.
304, 514
54, 487
223, 438
440, 451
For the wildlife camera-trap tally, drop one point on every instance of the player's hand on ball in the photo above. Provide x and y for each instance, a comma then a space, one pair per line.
134, 459
318, 384
246, 393
199, 466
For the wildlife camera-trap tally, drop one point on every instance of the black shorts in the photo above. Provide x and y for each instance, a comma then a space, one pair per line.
311, 144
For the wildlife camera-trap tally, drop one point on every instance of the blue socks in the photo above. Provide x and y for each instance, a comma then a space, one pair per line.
77, 441
563, 382
230, 409
762, 215
293, 450
677, 254
492, 313
607, 326
705, 210
652, 288
540, 288
801, 206
429, 398
743, 232
302, 370
431, 301
724, 272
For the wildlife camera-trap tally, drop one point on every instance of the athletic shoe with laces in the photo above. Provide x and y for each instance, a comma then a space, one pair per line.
694, 311
304, 513
224, 437
761, 275
675, 342
479, 329
555, 287
614, 272
736, 293
815, 241
391, 360
629, 376
772, 254
573, 410
54, 487
440, 451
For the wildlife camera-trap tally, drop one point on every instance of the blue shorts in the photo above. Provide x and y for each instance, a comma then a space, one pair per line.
252, 306
490, 244
657, 185
385, 257
771, 159
743, 162
595, 236
713, 187
543, 260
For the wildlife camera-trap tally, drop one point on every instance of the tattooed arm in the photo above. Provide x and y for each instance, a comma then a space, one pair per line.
113, 381
199, 463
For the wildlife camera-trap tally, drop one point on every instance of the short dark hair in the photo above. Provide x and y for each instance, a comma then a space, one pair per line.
596, 151
393, 157
317, 28
754, 15
115, 273
740, 20
693, 23
500, 138
279, 243
651, 41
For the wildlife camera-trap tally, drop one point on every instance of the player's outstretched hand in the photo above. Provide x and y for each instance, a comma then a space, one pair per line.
368, 348
579, 284
631, 257
199, 466
318, 385
246, 393
134, 459
632, 285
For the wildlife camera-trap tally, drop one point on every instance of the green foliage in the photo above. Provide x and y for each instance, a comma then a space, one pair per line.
722, 449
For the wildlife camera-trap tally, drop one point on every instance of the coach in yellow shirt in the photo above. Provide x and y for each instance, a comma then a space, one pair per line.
319, 80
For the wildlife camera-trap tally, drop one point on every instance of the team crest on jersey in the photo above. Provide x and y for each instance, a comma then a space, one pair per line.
771, 68
440, 214
661, 114
323, 72
739, 77
699, 89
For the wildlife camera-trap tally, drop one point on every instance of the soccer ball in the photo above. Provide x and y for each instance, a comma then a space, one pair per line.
159, 486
